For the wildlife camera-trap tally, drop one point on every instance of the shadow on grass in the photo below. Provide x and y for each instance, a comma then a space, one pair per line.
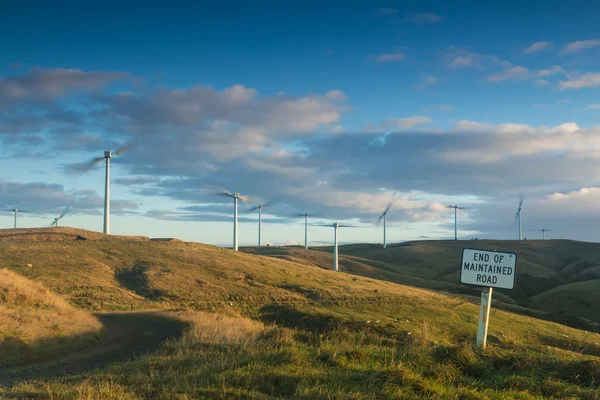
126, 335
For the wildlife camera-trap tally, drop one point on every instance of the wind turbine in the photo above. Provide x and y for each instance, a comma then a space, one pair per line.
518, 216
259, 208
108, 155
543, 232
16, 211
305, 215
455, 226
382, 217
55, 222
236, 196
335, 227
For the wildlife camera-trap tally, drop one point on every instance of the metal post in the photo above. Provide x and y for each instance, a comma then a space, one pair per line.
335, 247
259, 225
106, 230
384, 239
16, 219
484, 316
306, 231
235, 224
543, 234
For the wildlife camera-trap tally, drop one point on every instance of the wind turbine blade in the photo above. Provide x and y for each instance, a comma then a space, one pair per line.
253, 209
245, 199
449, 206
224, 193
123, 149
349, 226
65, 212
379, 219
388, 207
521, 200
322, 225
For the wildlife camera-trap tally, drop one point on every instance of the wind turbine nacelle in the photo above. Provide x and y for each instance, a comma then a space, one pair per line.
107, 154
236, 194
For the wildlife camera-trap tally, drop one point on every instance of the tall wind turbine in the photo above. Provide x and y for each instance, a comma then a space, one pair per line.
108, 155
259, 208
382, 217
543, 232
16, 211
518, 216
335, 227
305, 215
455, 225
55, 222
236, 196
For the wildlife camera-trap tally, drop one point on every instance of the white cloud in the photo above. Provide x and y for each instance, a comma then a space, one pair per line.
556, 69
394, 124
584, 81
389, 57
537, 46
516, 72
427, 80
581, 45
462, 61
593, 107
422, 18
541, 82
446, 107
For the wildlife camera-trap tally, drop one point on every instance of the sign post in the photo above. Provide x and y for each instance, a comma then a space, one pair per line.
490, 269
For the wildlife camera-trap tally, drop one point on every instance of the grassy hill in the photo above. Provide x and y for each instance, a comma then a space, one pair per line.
543, 266
35, 323
289, 328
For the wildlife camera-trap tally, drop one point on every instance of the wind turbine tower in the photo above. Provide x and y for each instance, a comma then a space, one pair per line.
107, 156
543, 232
16, 211
455, 222
518, 216
305, 215
259, 208
235, 196
382, 217
335, 227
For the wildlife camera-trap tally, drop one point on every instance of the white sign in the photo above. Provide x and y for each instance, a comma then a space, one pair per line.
488, 268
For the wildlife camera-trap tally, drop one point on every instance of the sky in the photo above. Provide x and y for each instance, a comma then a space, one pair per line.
337, 109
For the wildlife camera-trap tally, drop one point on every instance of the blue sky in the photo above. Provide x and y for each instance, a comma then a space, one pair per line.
336, 109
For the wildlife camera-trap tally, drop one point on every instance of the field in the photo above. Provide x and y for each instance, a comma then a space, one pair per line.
283, 326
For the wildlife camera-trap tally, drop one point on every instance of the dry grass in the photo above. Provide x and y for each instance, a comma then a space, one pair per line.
30, 315
217, 329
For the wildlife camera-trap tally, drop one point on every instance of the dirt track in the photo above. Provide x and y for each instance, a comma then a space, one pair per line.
127, 335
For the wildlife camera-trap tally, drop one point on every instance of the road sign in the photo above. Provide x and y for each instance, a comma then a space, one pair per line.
493, 269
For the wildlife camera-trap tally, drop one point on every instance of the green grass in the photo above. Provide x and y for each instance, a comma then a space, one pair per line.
284, 326
345, 358
542, 266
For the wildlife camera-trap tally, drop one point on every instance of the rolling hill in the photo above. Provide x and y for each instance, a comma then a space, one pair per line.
286, 326
544, 267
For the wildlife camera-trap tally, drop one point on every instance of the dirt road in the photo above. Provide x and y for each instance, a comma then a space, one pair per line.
127, 335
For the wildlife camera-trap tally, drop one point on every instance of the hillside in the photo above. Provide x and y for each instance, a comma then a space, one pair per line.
30, 315
543, 266
290, 329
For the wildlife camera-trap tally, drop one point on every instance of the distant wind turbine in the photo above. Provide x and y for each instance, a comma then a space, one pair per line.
65, 212
89, 165
259, 208
382, 217
335, 227
236, 196
455, 222
16, 211
543, 232
305, 215
518, 216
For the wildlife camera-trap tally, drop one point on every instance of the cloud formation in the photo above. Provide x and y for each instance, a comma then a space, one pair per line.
583, 81
581, 45
537, 47
422, 17
389, 57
